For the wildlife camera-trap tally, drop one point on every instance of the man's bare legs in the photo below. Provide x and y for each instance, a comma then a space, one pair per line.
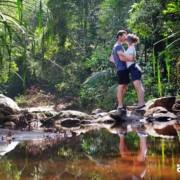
120, 94
140, 92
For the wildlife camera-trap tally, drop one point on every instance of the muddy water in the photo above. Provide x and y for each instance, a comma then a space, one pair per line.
96, 154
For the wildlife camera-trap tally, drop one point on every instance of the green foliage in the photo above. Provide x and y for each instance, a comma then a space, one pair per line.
100, 143
132, 141
10, 171
97, 90
65, 45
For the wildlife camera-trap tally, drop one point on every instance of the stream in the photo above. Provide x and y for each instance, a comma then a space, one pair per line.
89, 152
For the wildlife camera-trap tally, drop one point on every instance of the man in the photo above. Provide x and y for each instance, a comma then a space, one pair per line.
119, 60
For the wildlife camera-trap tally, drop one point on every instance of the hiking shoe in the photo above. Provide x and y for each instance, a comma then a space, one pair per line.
142, 134
122, 133
140, 107
120, 109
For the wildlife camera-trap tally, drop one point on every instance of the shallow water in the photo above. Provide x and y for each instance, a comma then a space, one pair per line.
96, 154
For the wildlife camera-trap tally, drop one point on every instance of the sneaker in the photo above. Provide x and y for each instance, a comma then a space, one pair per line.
122, 133
120, 109
140, 107
142, 134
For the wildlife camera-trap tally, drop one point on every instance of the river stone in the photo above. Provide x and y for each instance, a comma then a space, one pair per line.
67, 122
161, 129
176, 106
7, 106
166, 102
159, 114
97, 111
106, 119
165, 128
117, 115
9, 124
153, 110
74, 114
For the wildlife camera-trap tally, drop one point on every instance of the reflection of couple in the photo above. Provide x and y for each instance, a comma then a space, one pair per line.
138, 162
125, 65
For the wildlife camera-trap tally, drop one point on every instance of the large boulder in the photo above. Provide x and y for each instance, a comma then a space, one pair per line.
159, 114
166, 102
7, 106
161, 129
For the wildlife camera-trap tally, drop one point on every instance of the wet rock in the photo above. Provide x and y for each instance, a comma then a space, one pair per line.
176, 106
138, 112
97, 111
86, 122
165, 128
68, 122
177, 127
74, 114
166, 102
7, 147
106, 119
161, 129
159, 114
100, 115
157, 109
14, 118
9, 124
119, 116
7, 106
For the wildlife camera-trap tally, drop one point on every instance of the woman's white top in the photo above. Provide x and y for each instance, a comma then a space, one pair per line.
130, 51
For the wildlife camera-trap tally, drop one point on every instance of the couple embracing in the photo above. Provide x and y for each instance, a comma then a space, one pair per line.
125, 63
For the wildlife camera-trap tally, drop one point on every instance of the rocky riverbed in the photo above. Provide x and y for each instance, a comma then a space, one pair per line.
160, 117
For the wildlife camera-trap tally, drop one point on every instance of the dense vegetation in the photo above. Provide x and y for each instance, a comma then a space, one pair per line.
64, 46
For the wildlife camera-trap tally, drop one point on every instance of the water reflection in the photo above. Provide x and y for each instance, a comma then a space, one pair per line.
137, 160
125, 153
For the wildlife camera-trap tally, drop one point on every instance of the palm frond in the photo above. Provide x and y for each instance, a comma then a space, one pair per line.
96, 77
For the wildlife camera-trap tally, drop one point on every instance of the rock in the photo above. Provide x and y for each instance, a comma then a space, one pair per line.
138, 112
86, 122
161, 129
14, 118
7, 106
9, 124
176, 106
177, 127
106, 119
68, 122
166, 102
159, 114
117, 115
157, 109
100, 115
165, 128
97, 111
7, 147
74, 114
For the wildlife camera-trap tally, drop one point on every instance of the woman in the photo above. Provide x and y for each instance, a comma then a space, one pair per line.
134, 69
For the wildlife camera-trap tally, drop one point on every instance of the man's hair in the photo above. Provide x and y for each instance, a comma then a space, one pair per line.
120, 33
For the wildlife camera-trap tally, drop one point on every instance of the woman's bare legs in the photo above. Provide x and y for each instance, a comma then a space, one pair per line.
140, 92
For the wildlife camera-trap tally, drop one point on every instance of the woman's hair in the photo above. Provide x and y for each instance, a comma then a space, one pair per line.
132, 38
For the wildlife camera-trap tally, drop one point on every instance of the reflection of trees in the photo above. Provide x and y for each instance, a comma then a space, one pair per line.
100, 143
88, 156
9, 170
132, 141
165, 147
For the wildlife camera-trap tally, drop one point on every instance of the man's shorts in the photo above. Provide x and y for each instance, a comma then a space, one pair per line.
123, 76
135, 72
